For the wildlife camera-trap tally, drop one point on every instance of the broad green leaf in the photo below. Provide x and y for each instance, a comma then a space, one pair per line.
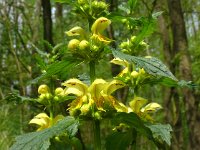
134, 121
161, 131
119, 140
60, 68
40, 140
151, 65
170, 83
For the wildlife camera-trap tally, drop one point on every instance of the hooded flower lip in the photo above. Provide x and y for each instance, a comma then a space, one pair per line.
75, 87
44, 121
123, 63
75, 31
137, 106
98, 27
98, 93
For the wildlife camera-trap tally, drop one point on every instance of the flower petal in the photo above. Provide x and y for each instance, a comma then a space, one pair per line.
100, 25
76, 87
96, 87
113, 86
137, 103
40, 122
75, 31
120, 62
151, 107
120, 107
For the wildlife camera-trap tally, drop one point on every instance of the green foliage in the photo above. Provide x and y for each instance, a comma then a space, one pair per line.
158, 133
63, 60
41, 139
60, 68
119, 140
151, 65
135, 122
161, 132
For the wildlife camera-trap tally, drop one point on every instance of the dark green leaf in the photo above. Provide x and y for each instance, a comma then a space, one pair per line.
161, 131
40, 140
134, 121
151, 65
60, 68
118, 140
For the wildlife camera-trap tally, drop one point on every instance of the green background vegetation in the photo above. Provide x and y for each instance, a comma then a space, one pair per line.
25, 48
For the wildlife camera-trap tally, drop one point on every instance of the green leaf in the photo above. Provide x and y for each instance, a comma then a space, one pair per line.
64, 1
60, 68
40, 140
118, 140
134, 121
151, 65
161, 131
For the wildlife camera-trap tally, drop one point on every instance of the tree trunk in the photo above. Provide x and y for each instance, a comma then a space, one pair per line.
47, 24
187, 121
59, 22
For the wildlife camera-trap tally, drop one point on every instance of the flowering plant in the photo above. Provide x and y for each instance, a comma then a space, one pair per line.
95, 100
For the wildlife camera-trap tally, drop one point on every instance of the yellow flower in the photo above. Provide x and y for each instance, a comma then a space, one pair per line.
98, 27
97, 94
137, 106
76, 31
44, 121
123, 63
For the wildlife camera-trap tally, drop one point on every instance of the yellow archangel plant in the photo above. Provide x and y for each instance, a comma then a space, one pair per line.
96, 97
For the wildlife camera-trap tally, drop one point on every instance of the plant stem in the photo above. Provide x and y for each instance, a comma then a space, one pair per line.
96, 123
92, 71
97, 137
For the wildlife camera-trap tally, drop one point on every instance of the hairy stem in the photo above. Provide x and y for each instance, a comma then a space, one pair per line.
96, 123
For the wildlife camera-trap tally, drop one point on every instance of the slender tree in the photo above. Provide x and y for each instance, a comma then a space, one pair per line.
47, 23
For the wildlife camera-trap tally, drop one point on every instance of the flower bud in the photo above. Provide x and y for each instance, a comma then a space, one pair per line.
141, 71
124, 45
103, 5
85, 109
43, 89
134, 74
41, 98
56, 98
73, 44
86, 8
59, 91
48, 95
95, 48
99, 6
97, 115
83, 45
133, 39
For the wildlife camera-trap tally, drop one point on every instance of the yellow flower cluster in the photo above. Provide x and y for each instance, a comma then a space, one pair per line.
97, 96
46, 97
86, 47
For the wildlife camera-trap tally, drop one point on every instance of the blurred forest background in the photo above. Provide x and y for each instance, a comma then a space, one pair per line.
29, 30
